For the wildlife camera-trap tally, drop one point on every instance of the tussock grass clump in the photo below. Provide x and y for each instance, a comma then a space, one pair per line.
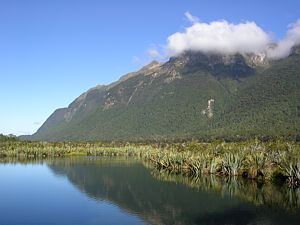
256, 160
292, 171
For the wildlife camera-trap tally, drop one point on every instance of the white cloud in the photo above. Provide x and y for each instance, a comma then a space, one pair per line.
220, 37
191, 18
284, 46
153, 53
225, 38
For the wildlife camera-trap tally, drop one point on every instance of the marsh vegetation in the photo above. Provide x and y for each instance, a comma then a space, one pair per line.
276, 161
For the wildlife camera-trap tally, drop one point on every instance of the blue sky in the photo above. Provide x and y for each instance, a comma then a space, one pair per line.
53, 50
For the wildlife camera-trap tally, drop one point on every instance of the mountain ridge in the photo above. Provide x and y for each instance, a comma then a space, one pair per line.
170, 100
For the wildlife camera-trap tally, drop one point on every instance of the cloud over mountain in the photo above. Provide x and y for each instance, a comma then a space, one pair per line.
284, 46
220, 37
229, 38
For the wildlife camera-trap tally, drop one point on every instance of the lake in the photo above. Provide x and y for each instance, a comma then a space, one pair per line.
94, 190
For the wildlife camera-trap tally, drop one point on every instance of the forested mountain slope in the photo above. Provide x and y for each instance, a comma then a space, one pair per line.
193, 95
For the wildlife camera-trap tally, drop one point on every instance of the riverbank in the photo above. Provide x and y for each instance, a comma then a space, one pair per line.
276, 161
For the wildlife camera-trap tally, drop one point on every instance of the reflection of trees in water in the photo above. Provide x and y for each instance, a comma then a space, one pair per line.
133, 188
247, 190
128, 184
244, 189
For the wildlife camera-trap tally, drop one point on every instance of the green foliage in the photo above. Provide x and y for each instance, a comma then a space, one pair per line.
292, 171
232, 164
251, 159
4, 138
146, 107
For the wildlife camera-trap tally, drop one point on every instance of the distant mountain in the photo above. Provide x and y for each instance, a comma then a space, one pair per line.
193, 95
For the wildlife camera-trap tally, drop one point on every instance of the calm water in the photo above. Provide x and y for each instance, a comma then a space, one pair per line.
119, 191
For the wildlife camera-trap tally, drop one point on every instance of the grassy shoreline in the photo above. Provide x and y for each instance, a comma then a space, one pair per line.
276, 161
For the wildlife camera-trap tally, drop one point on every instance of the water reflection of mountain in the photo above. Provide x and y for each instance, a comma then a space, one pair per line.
131, 186
258, 193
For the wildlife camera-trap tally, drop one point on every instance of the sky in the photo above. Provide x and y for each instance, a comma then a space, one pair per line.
51, 51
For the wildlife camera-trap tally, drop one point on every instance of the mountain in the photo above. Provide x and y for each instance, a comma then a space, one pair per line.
193, 95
